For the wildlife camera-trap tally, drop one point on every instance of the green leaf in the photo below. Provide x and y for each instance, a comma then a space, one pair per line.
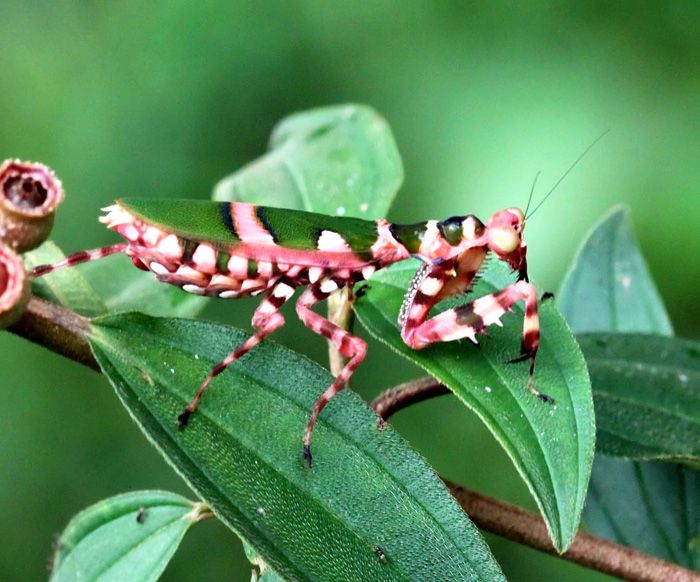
128, 537
65, 286
261, 571
654, 507
647, 395
241, 452
319, 160
651, 506
609, 287
551, 446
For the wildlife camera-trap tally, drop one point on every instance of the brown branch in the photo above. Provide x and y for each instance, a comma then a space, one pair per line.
57, 329
64, 332
518, 525
404, 395
586, 550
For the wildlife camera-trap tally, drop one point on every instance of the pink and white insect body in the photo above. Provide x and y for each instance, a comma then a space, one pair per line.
232, 250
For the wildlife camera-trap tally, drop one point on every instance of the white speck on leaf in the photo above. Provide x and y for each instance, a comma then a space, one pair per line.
364, 207
172, 370
261, 511
487, 388
625, 280
683, 378
340, 211
196, 356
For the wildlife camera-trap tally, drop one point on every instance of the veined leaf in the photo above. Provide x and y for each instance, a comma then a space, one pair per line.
127, 537
647, 395
321, 159
551, 446
654, 507
241, 452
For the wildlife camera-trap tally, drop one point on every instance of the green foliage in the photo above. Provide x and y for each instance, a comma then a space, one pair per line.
336, 160
608, 287
241, 453
550, 445
646, 407
650, 506
128, 537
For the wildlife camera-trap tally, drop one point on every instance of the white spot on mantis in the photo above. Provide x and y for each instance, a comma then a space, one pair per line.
364, 207
283, 290
129, 232
250, 284
315, 274
431, 286
340, 211
329, 286
264, 269
368, 271
196, 289
172, 370
683, 378
332, 242
170, 247
204, 258
158, 269
196, 356
488, 389
151, 236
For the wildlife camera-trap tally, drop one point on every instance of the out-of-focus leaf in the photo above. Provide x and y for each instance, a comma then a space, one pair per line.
609, 287
647, 395
321, 159
551, 446
127, 537
654, 507
65, 286
241, 453
651, 506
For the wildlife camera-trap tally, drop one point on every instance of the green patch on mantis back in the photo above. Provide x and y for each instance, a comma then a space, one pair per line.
551, 446
339, 161
650, 506
242, 454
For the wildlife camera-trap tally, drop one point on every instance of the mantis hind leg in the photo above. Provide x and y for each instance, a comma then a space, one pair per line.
348, 345
266, 319
77, 259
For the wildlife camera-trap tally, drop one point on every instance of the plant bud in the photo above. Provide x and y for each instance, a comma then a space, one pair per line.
14, 286
29, 195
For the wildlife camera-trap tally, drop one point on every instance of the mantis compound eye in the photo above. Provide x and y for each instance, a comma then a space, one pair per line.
503, 240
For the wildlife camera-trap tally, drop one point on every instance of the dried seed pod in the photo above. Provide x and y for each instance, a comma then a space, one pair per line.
14, 286
29, 195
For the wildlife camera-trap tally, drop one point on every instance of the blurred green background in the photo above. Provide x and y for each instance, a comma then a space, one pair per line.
166, 100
